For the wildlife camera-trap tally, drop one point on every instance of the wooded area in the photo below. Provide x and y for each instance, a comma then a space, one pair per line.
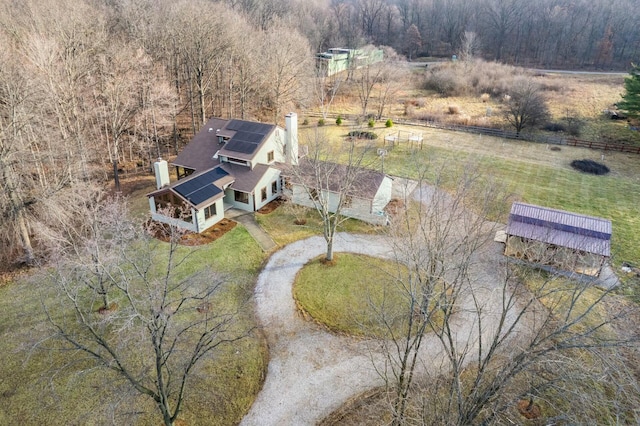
90, 87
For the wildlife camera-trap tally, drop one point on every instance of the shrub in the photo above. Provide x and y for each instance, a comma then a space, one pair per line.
305, 122
453, 109
362, 134
321, 122
485, 97
371, 123
590, 166
339, 121
554, 127
388, 123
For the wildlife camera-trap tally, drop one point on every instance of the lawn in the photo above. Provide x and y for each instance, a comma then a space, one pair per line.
342, 296
532, 173
35, 390
280, 224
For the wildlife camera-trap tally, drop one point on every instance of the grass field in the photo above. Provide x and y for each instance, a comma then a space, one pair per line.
532, 173
34, 389
342, 296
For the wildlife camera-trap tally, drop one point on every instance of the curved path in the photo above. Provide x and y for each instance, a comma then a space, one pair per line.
313, 372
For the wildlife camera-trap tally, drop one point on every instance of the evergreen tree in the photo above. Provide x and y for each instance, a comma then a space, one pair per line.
631, 99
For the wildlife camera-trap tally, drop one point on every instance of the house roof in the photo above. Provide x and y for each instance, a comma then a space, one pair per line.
198, 154
200, 189
246, 138
243, 140
561, 228
366, 182
245, 179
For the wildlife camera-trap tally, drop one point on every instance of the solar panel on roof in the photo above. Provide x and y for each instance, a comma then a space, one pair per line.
241, 146
201, 187
203, 194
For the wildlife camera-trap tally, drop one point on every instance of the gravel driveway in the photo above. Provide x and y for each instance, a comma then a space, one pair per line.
313, 372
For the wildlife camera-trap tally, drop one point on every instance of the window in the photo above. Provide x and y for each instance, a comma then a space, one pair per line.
348, 201
270, 156
241, 197
209, 211
313, 194
183, 172
274, 187
263, 194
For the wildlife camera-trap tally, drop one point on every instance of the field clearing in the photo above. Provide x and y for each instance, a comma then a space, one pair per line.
531, 172
579, 97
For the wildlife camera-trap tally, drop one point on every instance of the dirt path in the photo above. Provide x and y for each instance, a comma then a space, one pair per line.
312, 372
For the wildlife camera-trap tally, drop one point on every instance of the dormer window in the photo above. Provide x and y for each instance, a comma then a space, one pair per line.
270, 156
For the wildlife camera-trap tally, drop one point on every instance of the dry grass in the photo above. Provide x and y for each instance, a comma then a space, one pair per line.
34, 388
479, 93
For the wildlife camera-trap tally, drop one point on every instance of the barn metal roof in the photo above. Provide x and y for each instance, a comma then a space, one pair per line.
580, 232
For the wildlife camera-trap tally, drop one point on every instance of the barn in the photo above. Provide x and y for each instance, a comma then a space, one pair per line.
558, 238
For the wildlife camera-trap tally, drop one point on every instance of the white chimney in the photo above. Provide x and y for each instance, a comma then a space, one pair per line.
291, 138
161, 169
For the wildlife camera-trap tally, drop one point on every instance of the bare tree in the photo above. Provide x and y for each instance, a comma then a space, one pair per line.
525, 105
161, 321
286, 65
16, 104
394, 72
412, 41
437, 238
326, 88
479, 335
366, 77
327, 178
469, 47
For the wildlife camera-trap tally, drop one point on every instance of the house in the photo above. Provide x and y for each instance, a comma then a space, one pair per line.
336, 59
229, 163
558, 238
365, 199
241, 164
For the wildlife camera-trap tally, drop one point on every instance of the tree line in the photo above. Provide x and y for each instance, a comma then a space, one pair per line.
87, 87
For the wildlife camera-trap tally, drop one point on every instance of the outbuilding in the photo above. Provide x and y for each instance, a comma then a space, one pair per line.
558, 238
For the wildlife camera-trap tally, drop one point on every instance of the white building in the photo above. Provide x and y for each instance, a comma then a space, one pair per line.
229, 163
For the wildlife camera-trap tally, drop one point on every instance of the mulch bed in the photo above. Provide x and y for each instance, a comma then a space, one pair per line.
161, 231
271, 206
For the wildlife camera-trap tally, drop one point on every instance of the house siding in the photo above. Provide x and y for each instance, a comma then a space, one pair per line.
266, 181
274, 143
382, 197
203, 223
360, 208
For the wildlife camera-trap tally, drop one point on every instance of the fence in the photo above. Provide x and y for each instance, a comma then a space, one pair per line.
508, 134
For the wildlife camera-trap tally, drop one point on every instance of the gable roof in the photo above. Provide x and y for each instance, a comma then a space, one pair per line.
200, 189
198, 154
366, 183
558, 227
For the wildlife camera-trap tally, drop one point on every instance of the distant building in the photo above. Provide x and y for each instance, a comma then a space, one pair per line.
337, 60
558, 238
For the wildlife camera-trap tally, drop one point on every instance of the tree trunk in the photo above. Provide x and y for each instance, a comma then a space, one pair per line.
25, 239
116, 178
329, 256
